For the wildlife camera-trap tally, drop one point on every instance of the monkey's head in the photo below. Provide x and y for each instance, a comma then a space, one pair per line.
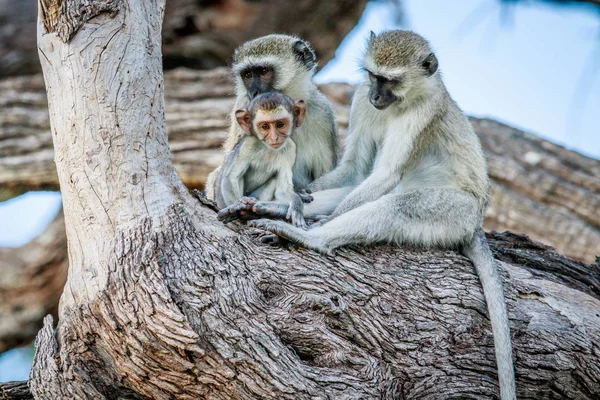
400, 66
271, 117
273, 62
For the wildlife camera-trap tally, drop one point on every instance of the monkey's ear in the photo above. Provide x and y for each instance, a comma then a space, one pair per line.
430, 63
372, 36
299, 111
243, 119
305, 54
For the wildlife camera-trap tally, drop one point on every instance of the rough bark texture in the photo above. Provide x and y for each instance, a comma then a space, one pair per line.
197, 34
31, 282
539, 188
15, 391
193, 310
162, 301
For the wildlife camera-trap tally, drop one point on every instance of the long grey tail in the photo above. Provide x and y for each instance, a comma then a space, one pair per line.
478, 251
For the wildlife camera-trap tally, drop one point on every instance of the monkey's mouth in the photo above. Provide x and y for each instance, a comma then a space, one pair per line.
381, 102
381, 106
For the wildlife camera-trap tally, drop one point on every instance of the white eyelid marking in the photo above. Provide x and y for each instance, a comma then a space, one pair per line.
388, 73
251, 61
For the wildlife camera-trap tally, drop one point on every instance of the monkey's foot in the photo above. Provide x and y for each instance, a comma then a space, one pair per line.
236, 210
290, 233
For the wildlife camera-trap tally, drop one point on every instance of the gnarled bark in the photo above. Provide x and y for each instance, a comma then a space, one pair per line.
15, 391
162, 301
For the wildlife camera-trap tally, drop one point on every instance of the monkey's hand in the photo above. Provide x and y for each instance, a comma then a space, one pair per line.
296, 217
237, 210
305, 195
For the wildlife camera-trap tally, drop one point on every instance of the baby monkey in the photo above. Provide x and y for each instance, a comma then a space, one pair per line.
261, 163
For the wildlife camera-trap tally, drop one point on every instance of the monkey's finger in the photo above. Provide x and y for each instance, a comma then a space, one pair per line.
224, 214
305, 195
300, 223
267, 210
235, 208
227, 217
271, 240
306, 198
248, 200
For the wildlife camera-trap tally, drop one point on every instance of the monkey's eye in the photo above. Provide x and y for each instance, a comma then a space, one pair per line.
280, 124
264, 71
265, 127
247, 74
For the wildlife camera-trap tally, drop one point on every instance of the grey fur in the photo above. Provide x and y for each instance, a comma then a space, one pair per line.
317, 139
254, 168
415, 173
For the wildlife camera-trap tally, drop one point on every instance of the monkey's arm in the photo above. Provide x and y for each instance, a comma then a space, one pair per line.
285, 193
359, 153
385, 176
232, 181
379, 183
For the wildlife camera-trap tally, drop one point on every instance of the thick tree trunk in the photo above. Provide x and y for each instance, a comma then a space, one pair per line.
198, 34
162, 301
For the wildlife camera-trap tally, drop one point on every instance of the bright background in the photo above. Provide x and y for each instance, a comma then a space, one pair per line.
534, 66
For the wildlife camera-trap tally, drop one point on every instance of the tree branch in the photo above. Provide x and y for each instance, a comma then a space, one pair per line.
15, 391
32, 279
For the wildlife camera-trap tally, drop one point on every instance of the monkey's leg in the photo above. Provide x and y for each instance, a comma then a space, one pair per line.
425, 217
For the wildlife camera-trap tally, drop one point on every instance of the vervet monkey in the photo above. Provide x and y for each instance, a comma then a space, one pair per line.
415, 173
285, 64
265, 156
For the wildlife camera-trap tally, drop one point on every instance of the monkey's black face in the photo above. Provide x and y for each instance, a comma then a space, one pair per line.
258, 79
380, 93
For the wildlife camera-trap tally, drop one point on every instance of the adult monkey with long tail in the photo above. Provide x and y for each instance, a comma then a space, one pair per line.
285, 64
413, 173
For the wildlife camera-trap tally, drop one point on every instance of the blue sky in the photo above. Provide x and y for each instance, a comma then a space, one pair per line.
529, 70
